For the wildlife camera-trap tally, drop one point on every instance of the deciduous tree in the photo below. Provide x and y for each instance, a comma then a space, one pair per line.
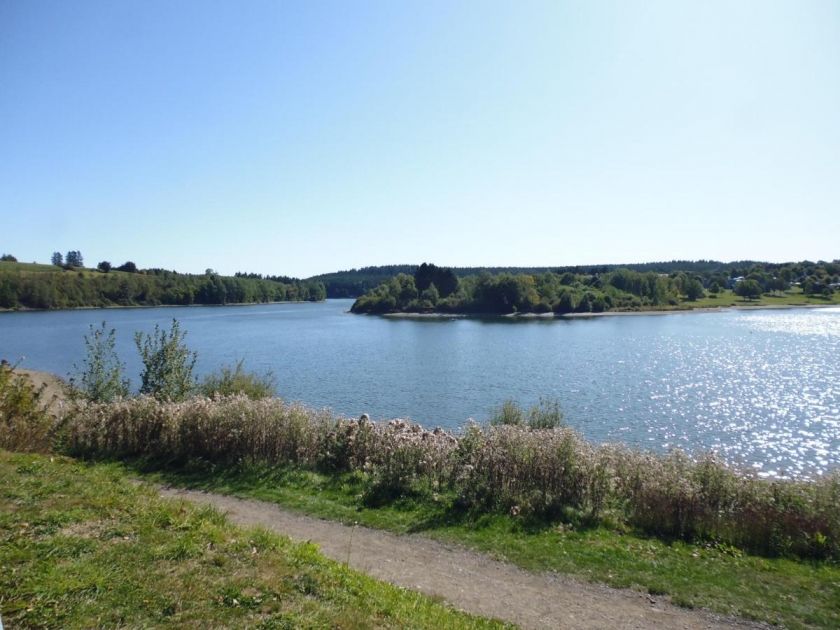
748, 289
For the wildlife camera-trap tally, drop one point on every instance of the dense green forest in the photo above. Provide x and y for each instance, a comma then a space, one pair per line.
583, 290
50, 286
356, 282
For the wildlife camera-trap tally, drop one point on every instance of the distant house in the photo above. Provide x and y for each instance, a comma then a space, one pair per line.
734, 281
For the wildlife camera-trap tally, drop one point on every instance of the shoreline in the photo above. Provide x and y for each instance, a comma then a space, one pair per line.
552, 316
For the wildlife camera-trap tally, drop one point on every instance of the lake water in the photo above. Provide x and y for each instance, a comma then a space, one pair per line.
762, 388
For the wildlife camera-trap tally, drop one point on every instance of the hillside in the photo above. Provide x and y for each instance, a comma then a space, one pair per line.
36, 286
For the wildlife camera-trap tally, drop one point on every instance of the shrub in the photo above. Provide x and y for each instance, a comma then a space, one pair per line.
167, 363
25, 424
101, 376
232, 380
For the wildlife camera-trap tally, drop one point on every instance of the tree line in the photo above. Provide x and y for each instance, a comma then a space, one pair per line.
150, 287
573, 292
353, 283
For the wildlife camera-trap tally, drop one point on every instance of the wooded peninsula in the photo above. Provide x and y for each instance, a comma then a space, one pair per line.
658, 286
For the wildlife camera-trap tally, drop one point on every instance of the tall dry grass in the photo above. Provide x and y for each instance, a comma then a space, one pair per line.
544, 473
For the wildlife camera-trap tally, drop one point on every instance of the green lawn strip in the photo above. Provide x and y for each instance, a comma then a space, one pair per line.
797, 594
82, 546
6, 265
793, 297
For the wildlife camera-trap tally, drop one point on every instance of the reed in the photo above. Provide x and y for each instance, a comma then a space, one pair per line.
552, 474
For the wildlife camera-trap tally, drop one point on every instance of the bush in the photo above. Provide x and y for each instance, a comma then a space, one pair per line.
167, 363
229, 381
101, 376
24, 422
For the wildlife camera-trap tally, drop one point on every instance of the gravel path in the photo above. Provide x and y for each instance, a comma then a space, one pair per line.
467, 580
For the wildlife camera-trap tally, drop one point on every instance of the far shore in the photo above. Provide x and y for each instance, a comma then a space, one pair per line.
674, 311
25, 309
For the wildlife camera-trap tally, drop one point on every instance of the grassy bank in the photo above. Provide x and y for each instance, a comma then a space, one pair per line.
794, 593
703, 533
82, 546
792, 297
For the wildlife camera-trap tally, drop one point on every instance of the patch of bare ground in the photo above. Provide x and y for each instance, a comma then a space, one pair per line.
53, 389
469, 581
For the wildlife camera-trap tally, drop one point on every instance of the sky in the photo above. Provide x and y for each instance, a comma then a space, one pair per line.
305, 137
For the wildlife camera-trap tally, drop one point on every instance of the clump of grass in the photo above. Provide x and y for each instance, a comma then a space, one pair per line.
508, 414
25, 424
547, 414
548, 474
232, 380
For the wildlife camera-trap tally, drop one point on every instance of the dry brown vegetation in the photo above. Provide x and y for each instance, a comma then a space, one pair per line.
544, 473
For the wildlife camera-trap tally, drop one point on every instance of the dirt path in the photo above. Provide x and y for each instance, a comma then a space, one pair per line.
467, 580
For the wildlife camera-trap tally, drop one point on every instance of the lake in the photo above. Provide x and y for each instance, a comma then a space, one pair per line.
760, 387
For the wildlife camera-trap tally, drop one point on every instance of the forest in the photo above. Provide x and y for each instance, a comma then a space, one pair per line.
52, 287
584, 290
353, 283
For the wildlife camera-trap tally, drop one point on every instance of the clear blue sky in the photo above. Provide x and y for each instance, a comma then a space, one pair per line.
305, 137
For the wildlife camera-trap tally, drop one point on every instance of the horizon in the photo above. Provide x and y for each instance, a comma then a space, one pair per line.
295, 139
725, 263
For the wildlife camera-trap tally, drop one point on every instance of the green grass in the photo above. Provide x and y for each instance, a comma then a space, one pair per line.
793, 297
797, 594
22, 266
82, 546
